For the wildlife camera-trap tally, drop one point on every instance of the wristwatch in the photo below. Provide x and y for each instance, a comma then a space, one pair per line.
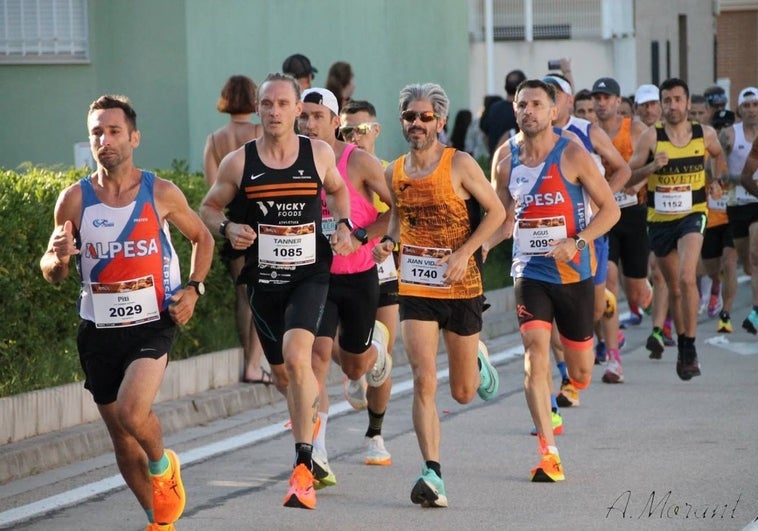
347, 222
361, 234
222, 227
580, 242
199, 287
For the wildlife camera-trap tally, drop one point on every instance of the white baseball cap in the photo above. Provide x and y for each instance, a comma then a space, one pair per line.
747, 94
321, 96
646, 93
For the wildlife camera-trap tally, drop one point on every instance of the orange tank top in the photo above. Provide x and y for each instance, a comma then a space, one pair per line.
623, 143
434, 222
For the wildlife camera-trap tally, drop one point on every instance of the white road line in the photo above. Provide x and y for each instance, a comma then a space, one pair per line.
75, 496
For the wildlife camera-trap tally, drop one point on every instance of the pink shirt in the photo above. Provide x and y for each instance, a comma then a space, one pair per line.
362, 214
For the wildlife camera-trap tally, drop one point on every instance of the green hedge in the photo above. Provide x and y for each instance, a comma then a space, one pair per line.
39, 324
38, 329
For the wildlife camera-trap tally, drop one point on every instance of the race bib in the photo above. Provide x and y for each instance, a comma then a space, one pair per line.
287, 245
387, 270
328, 225
535, 233
718, 204
126, 303
673, 199
418, 265
625, 200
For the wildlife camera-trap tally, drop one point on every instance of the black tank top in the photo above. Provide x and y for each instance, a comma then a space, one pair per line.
283, 206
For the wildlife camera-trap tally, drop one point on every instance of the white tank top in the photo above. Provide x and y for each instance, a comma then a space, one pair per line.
736, 161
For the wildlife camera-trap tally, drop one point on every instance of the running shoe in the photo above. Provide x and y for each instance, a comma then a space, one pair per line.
715, 303
568, 395
301, 494
160, 527
355, 392
557, 421
687, 365
429, 489
751, 322
634, 319
668, 338
377, 454
549, 470
725, 324
168, 492
383, 366
621, 339
655, 345
600, 352
322, 472
489, 380
614, 372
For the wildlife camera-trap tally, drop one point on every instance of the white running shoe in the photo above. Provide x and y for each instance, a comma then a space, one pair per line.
614, 372
383, 366
377, 454
355, 392
322, 472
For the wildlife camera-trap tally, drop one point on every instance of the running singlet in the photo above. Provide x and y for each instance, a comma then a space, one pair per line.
547, 207
678, 189
434, 222
362, 214
581, 128
736, 161
623, 143
128, 267
284, 209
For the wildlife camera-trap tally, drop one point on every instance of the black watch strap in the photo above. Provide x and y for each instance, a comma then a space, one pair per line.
347, 222
222, 228
387, 237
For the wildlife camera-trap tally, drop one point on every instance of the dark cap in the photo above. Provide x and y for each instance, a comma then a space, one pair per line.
715, 95
298, 65
606, 85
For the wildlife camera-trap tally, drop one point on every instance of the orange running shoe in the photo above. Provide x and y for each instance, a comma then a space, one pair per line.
168, 492
549, 470
160, 527
301, 493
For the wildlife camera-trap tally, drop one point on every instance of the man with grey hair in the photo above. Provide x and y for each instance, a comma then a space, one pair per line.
437, 193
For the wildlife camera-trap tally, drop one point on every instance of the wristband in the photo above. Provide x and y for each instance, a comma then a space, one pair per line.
387, 237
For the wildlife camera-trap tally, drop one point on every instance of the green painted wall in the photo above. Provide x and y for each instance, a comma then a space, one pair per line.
171, 58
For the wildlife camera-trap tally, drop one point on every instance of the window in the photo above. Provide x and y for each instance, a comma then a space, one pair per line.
43, 31
517, 20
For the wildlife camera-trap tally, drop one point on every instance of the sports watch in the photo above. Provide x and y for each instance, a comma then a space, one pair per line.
199, 286
579, 242
222, 227
361, 234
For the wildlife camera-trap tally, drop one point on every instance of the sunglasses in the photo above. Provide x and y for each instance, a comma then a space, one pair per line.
424, 116
359, 129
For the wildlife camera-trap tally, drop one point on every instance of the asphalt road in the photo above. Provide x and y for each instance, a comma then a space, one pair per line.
651, 453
